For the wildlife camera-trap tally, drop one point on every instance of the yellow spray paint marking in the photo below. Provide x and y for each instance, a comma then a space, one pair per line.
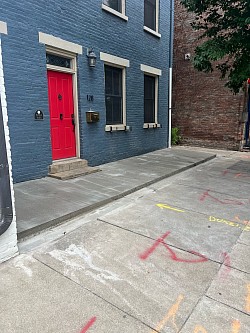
199, 329
248, 299
162, 206
229, 223
235, 326
171, 314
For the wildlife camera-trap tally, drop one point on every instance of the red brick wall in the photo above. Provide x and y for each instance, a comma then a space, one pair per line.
207, 113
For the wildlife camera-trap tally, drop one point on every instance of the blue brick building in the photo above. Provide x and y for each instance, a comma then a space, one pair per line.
51, 88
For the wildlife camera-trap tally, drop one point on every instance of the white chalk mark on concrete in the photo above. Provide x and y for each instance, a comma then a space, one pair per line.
74, 251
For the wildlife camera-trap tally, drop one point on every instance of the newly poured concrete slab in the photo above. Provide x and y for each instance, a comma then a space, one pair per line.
46, 202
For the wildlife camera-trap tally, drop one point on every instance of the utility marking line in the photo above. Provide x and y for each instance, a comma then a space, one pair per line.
226, 268
199, 329
248, 299
162, 206
236, 175
244, 227
173, 256
170, 314
229, 223
88, 325
206, 194
246, 222
235, 326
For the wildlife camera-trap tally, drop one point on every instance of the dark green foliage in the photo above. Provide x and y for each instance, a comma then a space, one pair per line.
225, 31
175, 136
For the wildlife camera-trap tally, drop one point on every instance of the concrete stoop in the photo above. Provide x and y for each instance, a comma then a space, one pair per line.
69, 169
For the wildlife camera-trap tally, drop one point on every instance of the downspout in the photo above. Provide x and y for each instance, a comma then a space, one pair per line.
171, 46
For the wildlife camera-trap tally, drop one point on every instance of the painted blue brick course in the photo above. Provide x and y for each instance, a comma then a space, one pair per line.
84, 23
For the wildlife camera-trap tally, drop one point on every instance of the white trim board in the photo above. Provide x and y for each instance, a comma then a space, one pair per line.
59, 43
3, 28
151, 70
8, 240
109, 58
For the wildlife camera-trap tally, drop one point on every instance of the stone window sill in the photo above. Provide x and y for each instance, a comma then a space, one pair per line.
151, 125
155, 33
114, 128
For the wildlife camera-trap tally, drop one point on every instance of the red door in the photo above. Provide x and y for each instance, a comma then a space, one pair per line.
61, 106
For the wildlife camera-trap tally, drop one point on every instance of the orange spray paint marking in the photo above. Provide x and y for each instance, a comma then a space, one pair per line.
235, 326
246, 222
170, 314
241, 175
248, 299
199, 329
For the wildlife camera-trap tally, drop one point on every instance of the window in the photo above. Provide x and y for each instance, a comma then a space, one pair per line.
151, 84
114, 4
150, 14
113, 95
115, 91
116, 7
151, 17
149, 99
55, 60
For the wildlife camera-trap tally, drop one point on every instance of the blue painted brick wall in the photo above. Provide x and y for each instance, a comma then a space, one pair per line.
84, 23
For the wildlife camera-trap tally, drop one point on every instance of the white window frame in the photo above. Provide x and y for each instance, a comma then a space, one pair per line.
122, 15
156, 73
60, 47
122, 63
151, 31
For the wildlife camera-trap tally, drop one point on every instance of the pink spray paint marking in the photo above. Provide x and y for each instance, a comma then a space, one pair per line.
244, 156
235, 175
206, 194
173, 256
225, 172
226, 269
88, 325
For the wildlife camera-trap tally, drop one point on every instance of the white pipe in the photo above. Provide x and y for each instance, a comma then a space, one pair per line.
171, 46
170, 107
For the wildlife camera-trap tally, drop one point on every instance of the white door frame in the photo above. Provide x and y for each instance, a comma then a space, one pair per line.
73, 71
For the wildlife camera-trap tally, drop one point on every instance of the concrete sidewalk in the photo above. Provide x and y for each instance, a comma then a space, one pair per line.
172, 257
46, 202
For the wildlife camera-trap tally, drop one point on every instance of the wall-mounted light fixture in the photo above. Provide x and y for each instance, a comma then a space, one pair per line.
187, 56
91, 58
